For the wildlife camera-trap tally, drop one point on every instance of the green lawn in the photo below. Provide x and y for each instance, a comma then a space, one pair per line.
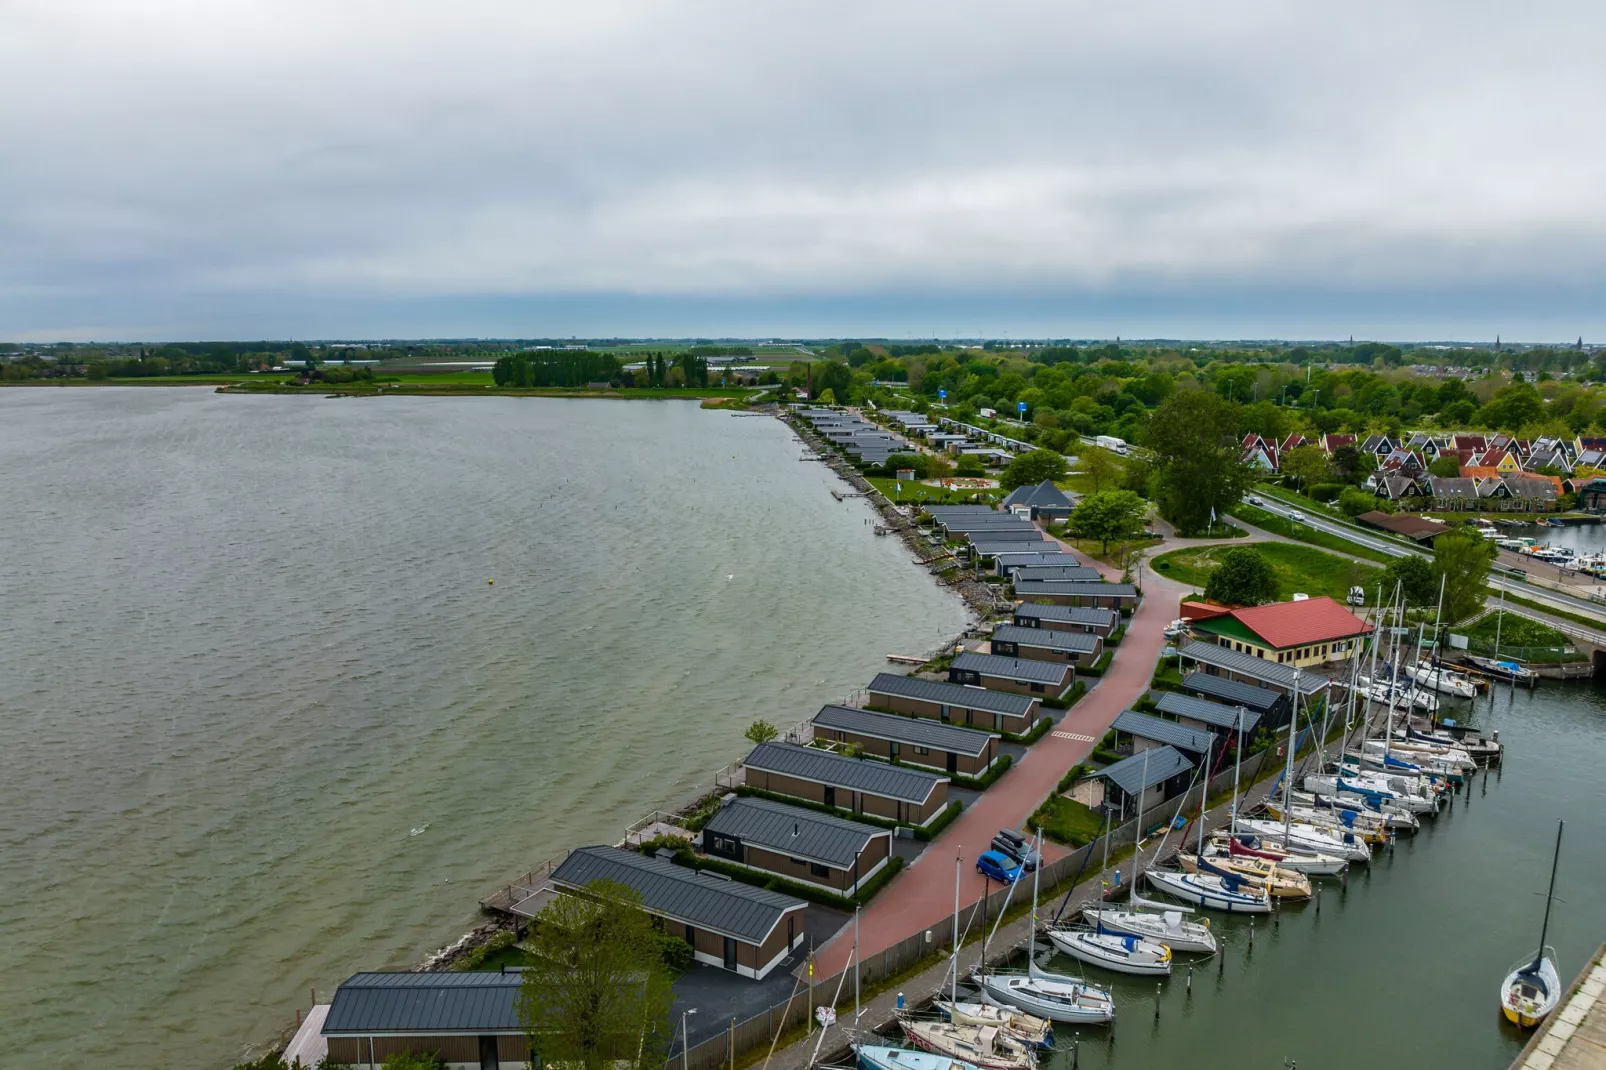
1066, 821
1288, 529
1516, 631
1302, 569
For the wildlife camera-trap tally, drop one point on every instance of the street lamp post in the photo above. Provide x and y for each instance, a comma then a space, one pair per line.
685, 1042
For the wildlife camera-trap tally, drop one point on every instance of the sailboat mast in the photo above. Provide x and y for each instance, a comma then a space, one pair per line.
1544, 930
953, 988
1438, 616
1237, 763
1499, 618
1031, 948
1288, 773
1204, 793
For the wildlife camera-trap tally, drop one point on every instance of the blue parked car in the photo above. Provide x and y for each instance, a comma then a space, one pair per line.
995, 865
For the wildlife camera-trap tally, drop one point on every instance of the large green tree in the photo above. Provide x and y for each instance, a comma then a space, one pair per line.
597, 993
1308, 465
1034, 467
1198, 470
1243, 578
1415, 577
1462, 560
1108, 517
1099, 466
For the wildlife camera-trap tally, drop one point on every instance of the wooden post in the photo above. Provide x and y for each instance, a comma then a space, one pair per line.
732, 1046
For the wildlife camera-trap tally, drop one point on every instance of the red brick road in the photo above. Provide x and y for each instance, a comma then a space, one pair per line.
923, 897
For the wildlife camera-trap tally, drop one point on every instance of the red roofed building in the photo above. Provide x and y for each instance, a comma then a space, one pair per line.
1308, 632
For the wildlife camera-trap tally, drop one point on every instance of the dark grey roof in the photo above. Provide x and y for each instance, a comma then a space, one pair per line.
970, 698
1211, 713
1281, 676
1044, 495
1072, 573
794, 831
1031, 558
1161, 730
676, 892
988, 547
1145, 769
1068, 614
987, 526
455, 1001
1080, 642
1041, 672
822, 767
916, 731
940, 511
1027, 588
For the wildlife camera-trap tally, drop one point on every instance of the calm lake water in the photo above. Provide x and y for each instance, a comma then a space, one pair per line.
263, 721
1402, 967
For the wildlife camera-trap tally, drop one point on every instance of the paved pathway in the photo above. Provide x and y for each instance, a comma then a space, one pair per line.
924, 896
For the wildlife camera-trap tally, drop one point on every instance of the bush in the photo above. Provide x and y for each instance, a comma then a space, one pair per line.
476, 958
1326, 492
1000, 766
1032, 734
1354, 501
940, 822
1072, 775
676, 953
1098, 667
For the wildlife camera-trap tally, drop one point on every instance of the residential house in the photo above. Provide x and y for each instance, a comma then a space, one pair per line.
470, 1018
1218, 668
1583, 444
1453, 494
893, 792
1534, 493
975, 707
798, 844
1243, 708
1075, 573
1493, 492
1553, 459
1379, 446
916, 741
1100, 622
1135, 732
1063, 593
1006, 564
1134, 785
1592, 495
1414, 528
1398, 487
1021, 676
744, 929
1259, 452
1046, 644
1308, 632
1428, 446
1332, 442
1045, 500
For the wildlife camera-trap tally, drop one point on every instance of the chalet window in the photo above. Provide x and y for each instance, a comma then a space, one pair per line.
817, 870
922, 750
1037, 687
797, 861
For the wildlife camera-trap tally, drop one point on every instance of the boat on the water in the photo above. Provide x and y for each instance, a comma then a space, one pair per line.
886, 1057
1301, 837
1259, 872
1120, 952
1229, 892
1027, 1028
1444, 680
1501, 668
1390, 815
1164, 923
1059, 999
1246, 845
1532, 989
1368, 829
989, 1047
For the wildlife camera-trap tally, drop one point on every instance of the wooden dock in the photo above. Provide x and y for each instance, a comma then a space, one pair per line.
907, 659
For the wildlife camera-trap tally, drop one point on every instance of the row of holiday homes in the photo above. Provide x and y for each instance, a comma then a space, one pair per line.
1476, 454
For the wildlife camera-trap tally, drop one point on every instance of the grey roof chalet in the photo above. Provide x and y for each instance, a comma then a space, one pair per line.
793, 831
1524, 486
1044, 495
1462, 488
990, 524
1047, 638
1145, 769
455, 1001
915, 731
1029, 588
1214, 714
858, 774
1161, 730
1037, 672
1102, 618
1278, 676
676, 892
1238, 692
1076, 573
970, 698
1011, 545
1031, 559
940, 511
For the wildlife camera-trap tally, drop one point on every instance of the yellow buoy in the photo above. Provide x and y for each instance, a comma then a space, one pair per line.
490, 581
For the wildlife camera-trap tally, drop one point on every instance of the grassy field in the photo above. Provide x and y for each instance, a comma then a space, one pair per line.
1066, 821
1302, 569
1516, 631
929, 495
1288, 529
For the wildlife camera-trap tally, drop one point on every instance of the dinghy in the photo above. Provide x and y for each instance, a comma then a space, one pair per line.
1532, 989
1038, 1032
1114, 951
988, 1047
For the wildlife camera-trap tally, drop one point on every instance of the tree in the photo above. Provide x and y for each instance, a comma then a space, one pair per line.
828, 397
597, 993
1353, 465
1447, 466
1032, 468
833, 376
1197, 465
1107, 517
1243, 578
970, 465
761, 732
1512, 406
1462, 560
1100, 467
1415, 577
1308, 465
1354, 501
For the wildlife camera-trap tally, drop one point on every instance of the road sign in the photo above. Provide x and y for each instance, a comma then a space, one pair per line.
1020, 407
942, 395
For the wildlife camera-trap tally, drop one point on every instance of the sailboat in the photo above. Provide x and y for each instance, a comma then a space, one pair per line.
1047, 995
1120, 952
1259, 872
1311, 864
1532, 989
1436, 677
886, 1057
1163, 923
1038, 1032
1211, 887
986, 1046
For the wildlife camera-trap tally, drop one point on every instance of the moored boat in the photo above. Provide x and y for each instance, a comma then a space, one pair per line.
989, 1047
1027, 1028
1302, 837
1532, 989
1308, 863
1162, 923
1114, 951
886, 1057
1057, 999
1259, 872
1228, 893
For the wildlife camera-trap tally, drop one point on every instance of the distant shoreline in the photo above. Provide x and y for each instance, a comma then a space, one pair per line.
382, 389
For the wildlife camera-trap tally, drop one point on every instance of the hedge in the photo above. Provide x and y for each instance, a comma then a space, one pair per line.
940, 822
1000, 766
801, 889
1066, 703
1098, 667
1032, 734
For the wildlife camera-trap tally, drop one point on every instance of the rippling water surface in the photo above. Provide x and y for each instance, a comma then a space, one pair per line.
263, 720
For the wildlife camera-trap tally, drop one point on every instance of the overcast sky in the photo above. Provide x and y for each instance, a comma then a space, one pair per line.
347, 168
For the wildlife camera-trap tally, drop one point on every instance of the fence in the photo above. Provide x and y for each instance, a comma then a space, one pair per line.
758, 1031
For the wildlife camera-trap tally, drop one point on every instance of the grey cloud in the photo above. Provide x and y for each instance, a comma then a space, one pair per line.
164, 157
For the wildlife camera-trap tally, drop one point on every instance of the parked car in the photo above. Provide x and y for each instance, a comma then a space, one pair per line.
999, 867
1017, 850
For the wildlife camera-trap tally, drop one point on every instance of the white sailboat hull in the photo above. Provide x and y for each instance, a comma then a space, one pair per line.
1530, 991
1057, 1000
1180, 935
1209, 892
1305, 838
1112, 951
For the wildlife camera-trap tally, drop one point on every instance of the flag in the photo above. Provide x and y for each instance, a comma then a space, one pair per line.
1212, 516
